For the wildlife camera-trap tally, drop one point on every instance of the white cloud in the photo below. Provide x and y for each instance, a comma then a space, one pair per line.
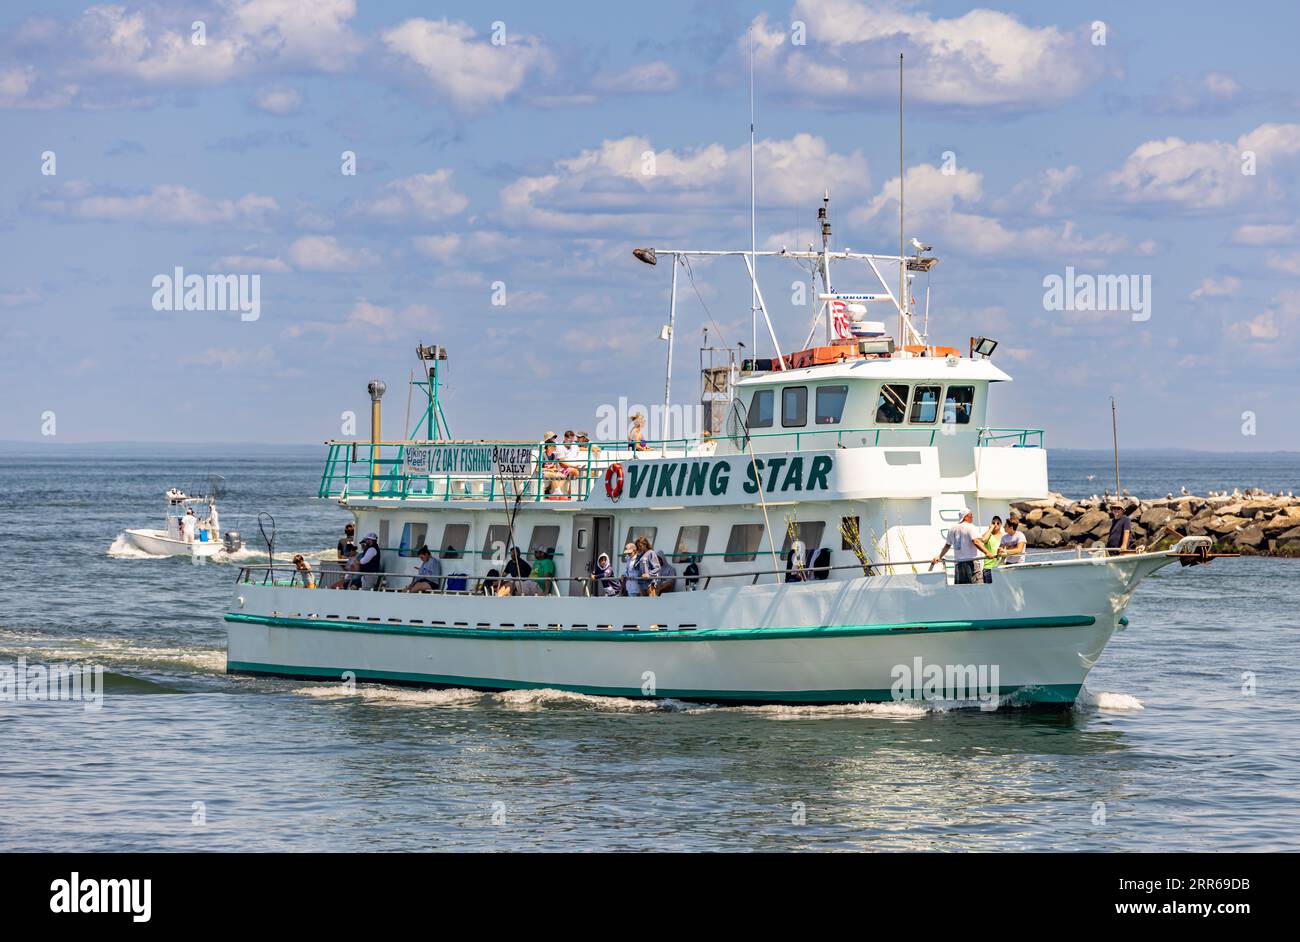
112, 55
167, 204
982, 59
1206, 175
1216, 288
1208, 93
466, 249
1035, 195
420, 198
326, 254
1265, 234
249, 263
654, 77
466, 72
278, 99
1287, 263
19, 298
611, 186
943, 209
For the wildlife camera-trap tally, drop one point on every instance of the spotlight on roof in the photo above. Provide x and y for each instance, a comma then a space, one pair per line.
433, 352
982, 346
646, 255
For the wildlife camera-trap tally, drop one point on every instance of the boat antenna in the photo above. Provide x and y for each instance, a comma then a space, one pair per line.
902, 264
1114, 438
753, 223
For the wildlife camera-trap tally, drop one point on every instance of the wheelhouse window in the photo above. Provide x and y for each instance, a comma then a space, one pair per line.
850, 527
455, 536
925, 404
494, 545
412, 538
690, 542
761, 412
891, 406
544, 538
810, 534
958, 405
830, 404
742, 544
794, 406
648, 532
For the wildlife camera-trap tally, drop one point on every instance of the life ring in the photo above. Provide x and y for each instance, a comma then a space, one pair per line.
614, 481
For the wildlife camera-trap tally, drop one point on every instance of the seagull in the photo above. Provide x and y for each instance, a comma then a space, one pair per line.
1169, 496
1184, 491
917, 244
1091, 476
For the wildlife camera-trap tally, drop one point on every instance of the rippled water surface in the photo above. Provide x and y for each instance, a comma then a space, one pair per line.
1165, 751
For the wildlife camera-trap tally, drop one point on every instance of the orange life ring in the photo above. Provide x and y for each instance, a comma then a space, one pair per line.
614, 481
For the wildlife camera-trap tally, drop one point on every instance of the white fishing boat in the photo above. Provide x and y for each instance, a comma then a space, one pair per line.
808, 508
191, 527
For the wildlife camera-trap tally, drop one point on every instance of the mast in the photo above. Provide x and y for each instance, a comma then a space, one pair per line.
753, 223
902, 253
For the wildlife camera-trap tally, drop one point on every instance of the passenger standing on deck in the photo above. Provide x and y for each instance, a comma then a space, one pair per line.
602, 577
349, 539
544, 571
631, 570
1013, 545
990, 541
649, 565
303, 572
187, 525
1121, 531
961, 540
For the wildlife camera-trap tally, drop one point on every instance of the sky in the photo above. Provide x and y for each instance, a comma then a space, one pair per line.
508, 156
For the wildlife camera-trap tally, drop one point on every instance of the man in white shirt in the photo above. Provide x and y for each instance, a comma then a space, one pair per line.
1012, 549
963, 540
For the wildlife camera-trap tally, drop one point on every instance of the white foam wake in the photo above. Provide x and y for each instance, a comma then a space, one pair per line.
123, 548
1108, 702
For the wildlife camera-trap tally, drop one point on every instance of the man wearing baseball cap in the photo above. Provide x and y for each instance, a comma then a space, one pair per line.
962, 540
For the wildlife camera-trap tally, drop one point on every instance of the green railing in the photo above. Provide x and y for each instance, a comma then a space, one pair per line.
1011, 437
363, 469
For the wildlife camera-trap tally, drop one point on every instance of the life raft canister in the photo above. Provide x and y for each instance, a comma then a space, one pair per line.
614, 481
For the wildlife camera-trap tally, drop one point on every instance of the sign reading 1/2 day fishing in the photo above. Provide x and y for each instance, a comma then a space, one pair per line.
508, 461
789, 476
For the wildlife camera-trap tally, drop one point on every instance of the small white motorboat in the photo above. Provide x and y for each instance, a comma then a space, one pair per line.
191, 527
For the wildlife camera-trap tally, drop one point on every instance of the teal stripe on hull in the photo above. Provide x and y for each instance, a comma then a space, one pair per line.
666, 635
1049, 694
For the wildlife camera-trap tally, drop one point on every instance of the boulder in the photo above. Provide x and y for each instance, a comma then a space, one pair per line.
1053, 518
1034, 516
1279, 522
1090, 523
1049, 537
1251, 537
1253, 508
1224, 524
1155, 517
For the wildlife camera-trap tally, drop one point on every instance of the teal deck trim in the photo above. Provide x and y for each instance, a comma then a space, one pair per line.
664, 635
1048, 693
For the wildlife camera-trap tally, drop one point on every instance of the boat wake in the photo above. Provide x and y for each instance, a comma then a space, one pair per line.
1107, 702
112, 652
122, 548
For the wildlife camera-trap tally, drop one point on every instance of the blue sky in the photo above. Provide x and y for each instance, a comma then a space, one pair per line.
522, 163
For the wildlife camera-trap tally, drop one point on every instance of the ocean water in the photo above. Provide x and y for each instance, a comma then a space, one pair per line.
1186, 738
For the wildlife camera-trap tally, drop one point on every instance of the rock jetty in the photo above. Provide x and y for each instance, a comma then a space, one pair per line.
1252, 522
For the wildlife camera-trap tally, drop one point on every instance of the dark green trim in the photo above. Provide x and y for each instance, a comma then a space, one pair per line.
672, 634
1058, 694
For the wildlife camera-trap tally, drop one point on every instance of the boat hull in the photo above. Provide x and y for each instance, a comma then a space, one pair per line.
157, 543
1030, 637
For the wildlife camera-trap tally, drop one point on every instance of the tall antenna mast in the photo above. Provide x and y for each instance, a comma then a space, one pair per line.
902, 264
753, 224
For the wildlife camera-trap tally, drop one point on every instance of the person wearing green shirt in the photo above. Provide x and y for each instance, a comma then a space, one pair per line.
544, 570
990, 542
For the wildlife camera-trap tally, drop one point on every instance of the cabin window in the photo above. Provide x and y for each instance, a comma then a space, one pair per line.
498, 538
810, 534
647, 532
544, 538
760, 409
794, 406
690, 542
850, 527
581, 540
925, 404
455, 536
891, 407
742, 544
830, 404
958, 405
412, 538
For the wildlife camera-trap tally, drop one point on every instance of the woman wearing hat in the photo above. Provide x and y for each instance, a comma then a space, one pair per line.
631, 570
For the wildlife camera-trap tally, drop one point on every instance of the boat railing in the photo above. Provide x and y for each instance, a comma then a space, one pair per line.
464, 470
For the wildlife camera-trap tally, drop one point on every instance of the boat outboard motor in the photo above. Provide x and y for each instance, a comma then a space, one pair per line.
232, 541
